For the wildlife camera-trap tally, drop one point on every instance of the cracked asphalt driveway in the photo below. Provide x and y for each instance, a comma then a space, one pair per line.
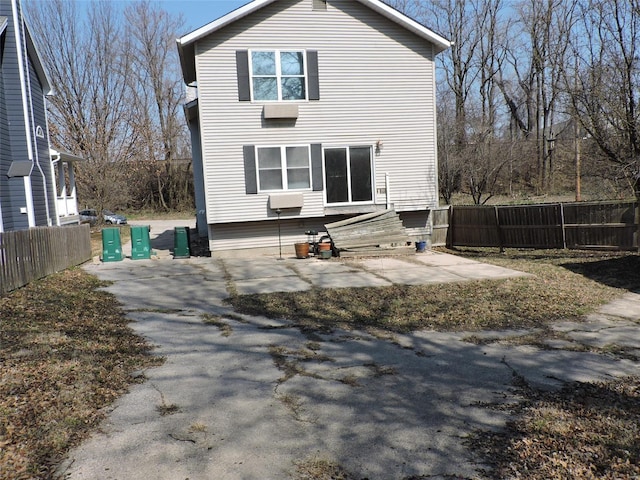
253, 399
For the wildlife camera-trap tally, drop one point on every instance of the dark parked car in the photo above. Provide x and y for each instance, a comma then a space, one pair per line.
109, 217
89, 216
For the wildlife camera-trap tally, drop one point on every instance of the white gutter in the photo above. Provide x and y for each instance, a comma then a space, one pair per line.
56, 165
387, 187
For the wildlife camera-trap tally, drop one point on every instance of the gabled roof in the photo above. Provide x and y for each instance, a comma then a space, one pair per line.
34, 55
186, 43
37, 63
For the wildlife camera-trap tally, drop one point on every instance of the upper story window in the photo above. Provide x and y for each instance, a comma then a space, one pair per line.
278, 75
273, 75
284, 168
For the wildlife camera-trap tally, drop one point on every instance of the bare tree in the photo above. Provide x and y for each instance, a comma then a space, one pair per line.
607, 81
456, 19
89, 63
491, 55
511, 92
153, 33
158, 87
532, 78
117, 101
450, 163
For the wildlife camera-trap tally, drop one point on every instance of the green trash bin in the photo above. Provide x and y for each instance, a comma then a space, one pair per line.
181, 242
140, 243
111, 245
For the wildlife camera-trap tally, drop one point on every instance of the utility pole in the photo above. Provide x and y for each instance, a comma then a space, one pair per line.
577, 153
577, 137
636, 190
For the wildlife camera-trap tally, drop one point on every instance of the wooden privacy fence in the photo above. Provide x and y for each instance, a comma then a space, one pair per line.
579, 225
439, 226
26, 255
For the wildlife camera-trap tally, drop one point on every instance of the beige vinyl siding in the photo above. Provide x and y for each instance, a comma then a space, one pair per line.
264, 234
376, 83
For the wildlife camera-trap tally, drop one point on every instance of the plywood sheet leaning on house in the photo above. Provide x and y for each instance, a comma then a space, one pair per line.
370, 234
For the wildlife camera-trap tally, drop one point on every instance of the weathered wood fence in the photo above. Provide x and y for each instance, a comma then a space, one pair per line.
26, 255
439, 226
577, 225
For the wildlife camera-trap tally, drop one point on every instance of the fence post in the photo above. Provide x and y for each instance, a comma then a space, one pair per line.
500, 239
636, 190
449, 240
638, 221
564, 233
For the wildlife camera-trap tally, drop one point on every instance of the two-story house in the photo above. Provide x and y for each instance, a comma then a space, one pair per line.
308, 112
37, 184
27, 194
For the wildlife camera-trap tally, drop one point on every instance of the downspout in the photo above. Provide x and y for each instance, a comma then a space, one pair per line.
387, 187
436, 200
57, 172
21, 49
53, 174
1, 221
72, 183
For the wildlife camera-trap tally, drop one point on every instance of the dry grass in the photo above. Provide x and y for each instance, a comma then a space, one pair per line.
140, 215
565, 285
316, 468
218, 321
66, 352
586, 431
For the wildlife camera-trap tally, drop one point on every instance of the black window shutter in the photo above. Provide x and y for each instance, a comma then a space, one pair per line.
250, 177
312, 70
242, 68
316, 167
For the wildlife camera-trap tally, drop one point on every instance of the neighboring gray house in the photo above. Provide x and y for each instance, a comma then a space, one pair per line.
27, 193
319, 110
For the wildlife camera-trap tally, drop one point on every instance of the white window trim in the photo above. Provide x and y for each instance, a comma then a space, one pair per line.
283, 168
279, 73
373, 174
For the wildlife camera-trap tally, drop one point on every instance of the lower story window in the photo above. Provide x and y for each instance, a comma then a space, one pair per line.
348, 174
284, 168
